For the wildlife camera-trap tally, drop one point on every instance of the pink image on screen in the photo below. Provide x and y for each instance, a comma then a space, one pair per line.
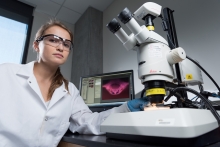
115, 87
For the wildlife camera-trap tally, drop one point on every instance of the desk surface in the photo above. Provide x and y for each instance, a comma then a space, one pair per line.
102, 141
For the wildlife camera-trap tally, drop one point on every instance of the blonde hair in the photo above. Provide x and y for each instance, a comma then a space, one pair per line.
58, 78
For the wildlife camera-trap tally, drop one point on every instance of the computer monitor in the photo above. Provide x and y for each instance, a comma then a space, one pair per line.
107, 87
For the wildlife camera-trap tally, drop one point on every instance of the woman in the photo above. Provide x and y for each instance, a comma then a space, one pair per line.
38, 105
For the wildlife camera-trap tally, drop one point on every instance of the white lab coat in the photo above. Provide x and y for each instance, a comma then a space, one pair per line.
26, 121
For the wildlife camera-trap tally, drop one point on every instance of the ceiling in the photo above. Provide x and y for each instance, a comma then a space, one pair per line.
67, 10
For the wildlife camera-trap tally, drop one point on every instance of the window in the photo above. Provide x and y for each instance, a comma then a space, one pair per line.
12, 40
15, 27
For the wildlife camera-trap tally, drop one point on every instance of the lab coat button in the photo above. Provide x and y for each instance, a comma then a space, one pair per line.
46, 118
29, 81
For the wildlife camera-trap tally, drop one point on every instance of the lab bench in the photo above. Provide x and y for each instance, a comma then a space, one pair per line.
77, 140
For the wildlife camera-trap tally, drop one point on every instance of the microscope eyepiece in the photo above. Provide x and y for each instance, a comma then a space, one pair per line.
125, 15
113, 25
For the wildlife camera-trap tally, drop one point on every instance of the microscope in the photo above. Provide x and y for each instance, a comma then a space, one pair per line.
163, 70
155, 58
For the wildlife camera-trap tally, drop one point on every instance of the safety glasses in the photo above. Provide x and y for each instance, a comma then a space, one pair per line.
55, 41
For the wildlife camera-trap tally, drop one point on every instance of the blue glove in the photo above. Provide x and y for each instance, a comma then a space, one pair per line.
138, 104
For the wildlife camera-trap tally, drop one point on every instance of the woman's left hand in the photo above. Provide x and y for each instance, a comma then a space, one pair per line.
138, 104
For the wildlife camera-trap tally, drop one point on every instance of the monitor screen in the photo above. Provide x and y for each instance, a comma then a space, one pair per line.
107, 87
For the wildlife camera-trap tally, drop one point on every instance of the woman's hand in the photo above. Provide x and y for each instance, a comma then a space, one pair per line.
138, 104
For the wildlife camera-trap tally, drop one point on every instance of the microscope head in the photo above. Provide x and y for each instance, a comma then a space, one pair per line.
148, 8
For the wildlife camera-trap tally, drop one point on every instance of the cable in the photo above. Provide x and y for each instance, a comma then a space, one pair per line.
204, 72
209, 105
194, 98
201, 88
182, 100
175, 94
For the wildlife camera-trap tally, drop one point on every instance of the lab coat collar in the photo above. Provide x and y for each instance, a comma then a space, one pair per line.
26, 70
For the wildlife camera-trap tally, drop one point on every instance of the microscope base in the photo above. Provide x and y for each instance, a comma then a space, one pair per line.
203, 140
195, 127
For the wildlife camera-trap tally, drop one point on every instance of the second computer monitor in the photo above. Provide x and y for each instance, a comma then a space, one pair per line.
107, 87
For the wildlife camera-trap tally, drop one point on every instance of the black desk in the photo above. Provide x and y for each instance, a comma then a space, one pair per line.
102, 141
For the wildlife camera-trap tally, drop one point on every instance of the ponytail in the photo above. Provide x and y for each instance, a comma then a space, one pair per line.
57, 81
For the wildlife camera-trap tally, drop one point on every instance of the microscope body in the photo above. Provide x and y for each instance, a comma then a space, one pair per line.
154, 57
153, 63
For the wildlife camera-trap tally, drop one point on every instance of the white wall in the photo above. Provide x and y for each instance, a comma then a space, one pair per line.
40, 19
197, 25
